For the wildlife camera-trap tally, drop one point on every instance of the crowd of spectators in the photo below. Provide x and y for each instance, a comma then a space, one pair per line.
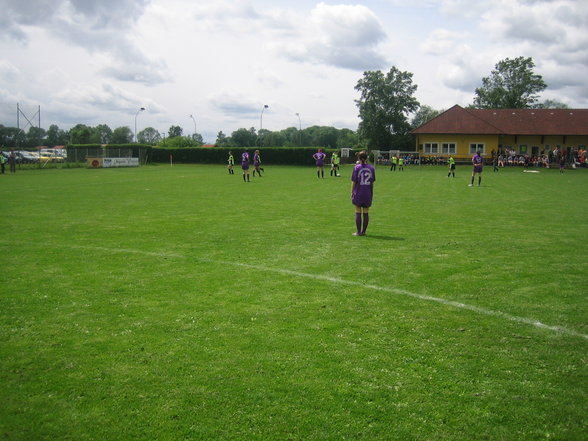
509, 158
572, 157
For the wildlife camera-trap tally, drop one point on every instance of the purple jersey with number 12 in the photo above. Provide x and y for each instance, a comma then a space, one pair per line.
364, 176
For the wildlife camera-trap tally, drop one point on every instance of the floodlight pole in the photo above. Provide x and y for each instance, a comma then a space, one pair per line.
136, 114
265, 106
194, 137
299, 130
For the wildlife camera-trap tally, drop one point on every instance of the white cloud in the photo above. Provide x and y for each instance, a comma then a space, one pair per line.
98, 26
222, 60
344, 36
552, 32
8, 72
235, 103
442, 42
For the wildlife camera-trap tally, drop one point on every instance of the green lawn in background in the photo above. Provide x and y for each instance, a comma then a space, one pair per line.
172, 303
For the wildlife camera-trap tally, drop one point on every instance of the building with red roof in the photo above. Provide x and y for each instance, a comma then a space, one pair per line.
461, 132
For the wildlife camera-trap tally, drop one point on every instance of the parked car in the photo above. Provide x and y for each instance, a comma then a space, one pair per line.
28, 157
54, 153
51, 155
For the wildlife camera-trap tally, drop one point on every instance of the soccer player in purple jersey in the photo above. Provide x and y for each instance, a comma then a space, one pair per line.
319, 157
257, 163
478, 163
245, 165
362, 191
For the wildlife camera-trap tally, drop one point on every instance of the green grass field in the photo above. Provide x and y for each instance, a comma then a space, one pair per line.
179, 303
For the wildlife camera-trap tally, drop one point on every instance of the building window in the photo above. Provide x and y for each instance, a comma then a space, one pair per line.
449, 148
431, 147
476, 148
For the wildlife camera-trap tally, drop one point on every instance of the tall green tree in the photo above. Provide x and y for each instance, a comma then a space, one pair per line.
11, 137
102, 134
174, 131
35, 137
423, 115
244, 137
149, 136
122, 135
511, 85
80, 134
198, 139
56, 136
346, 139
385, 102
222, 140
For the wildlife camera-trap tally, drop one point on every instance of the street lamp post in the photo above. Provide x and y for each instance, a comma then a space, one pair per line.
265, 106
194, 137
299, 130
136, 114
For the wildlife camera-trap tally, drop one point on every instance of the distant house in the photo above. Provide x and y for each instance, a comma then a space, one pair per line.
461, 132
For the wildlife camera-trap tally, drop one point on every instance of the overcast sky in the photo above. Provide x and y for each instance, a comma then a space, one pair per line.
99, 61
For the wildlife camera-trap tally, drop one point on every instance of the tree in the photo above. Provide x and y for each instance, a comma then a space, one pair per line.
35, 137
347, 139
222, 140
102, 133
122, 135
55, 136
80, 134
174, 131
552, 104
11, 136
244, 137
512, 85
385, 101
149, 136
198, 139
423, 115
179, 141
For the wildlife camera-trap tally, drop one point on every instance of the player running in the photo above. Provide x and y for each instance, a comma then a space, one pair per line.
257, 163
319, 157
362, 191
478, 163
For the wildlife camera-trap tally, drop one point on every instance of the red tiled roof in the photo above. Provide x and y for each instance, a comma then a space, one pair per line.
458, 120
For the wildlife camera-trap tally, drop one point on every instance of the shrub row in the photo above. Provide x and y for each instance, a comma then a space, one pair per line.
203, 155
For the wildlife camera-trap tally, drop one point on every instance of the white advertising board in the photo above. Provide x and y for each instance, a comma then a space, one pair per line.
120, 162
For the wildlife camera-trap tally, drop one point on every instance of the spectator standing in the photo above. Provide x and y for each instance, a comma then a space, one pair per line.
12, 161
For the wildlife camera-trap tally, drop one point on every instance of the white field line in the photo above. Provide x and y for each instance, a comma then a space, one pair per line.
397, 291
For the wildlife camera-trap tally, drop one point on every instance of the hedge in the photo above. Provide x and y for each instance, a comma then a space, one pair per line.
202, 155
